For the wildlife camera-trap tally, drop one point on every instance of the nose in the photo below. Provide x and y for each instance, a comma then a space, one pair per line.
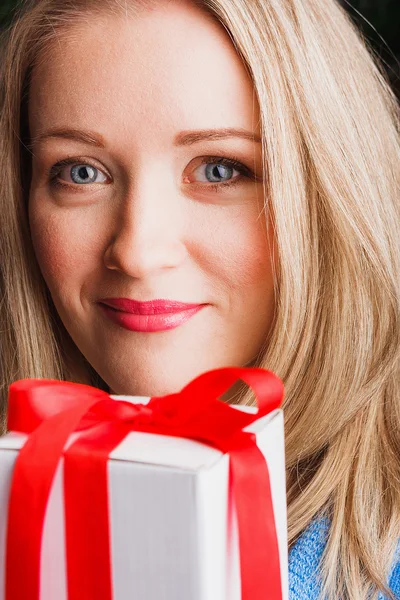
147, 231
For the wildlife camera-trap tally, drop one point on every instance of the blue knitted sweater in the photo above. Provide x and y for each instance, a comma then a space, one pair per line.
304, 559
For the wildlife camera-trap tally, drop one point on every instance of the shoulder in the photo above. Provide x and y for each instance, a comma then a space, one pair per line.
394, 580
304, 561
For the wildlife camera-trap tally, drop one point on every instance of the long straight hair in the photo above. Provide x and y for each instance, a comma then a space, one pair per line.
330, 128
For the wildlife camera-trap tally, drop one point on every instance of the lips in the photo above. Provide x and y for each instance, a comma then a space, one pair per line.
150, 316
151, 307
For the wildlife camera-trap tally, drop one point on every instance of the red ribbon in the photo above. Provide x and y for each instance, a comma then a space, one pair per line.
51, 410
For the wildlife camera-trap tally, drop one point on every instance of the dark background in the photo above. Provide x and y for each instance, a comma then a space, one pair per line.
379, 21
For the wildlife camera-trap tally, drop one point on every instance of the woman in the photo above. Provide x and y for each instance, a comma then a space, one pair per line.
189, 185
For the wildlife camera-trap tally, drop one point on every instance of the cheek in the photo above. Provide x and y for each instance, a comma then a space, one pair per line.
62, 244
245, 252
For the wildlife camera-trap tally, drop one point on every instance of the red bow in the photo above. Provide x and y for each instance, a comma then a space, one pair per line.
51, 410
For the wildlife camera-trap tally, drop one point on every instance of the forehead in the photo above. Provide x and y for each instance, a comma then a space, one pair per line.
171, 66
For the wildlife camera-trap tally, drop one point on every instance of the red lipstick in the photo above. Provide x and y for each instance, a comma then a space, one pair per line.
151, 316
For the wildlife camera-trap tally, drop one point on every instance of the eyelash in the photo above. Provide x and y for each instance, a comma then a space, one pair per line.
232, 162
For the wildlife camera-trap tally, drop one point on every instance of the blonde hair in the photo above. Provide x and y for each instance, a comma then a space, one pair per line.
330, 127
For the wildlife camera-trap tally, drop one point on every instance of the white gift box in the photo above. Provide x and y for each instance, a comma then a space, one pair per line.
173, 524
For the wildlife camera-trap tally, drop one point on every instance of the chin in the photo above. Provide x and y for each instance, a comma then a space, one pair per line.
157, 379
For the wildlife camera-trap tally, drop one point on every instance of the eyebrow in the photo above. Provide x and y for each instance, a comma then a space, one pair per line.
184, 138
87, 137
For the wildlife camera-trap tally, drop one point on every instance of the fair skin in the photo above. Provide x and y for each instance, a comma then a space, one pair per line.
146, 218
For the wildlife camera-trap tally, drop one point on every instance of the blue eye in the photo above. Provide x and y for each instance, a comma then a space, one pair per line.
71, 172
83, 174
216, 173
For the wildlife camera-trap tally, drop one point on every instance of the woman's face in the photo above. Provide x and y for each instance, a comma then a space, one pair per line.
135, 124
